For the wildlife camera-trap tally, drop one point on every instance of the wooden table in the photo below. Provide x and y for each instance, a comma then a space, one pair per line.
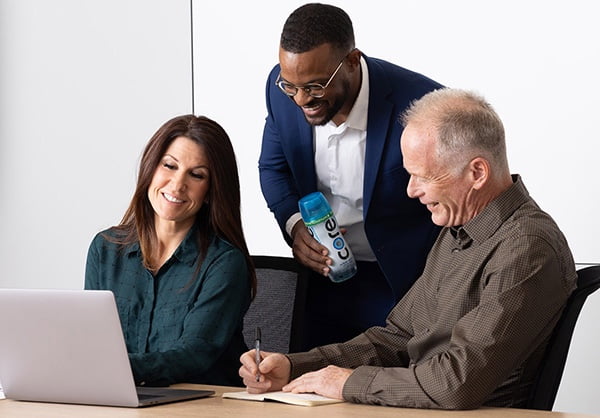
222, 408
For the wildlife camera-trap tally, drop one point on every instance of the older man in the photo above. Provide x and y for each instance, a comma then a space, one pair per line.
473, 328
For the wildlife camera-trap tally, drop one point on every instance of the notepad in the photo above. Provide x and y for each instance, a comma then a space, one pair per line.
303, 399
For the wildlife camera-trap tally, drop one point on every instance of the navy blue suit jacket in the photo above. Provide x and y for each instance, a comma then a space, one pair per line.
399, 229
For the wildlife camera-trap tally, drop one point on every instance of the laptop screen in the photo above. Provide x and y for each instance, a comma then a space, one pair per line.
65, 346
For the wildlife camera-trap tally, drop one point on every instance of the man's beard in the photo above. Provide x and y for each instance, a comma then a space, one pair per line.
333, 110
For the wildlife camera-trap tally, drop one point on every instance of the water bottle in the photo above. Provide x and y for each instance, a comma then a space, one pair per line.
322, 225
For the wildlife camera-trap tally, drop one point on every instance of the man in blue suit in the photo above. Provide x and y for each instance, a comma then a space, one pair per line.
332, 126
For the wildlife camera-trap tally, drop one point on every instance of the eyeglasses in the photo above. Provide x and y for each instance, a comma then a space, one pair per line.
315, 90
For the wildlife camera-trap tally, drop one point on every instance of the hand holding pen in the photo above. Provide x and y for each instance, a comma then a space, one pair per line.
257, 352
275, 369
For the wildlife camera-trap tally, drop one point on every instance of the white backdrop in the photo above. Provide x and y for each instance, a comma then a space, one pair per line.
84, 84
536, 61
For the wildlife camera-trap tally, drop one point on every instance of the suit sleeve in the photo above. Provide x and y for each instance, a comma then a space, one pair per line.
277, 182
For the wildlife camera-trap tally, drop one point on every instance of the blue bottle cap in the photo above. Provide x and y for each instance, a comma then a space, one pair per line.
314, 208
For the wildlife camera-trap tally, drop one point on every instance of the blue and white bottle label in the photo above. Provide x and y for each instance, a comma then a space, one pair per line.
327, 233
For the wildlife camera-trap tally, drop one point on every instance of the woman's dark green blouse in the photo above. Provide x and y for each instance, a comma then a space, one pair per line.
181, 324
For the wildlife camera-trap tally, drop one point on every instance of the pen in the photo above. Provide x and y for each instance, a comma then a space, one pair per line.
257, 352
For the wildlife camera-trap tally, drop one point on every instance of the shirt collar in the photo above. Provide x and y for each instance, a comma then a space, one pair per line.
485, 224
187, 252
357, 118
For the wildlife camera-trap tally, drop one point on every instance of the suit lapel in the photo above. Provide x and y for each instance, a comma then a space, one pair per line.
380, 112
304, 156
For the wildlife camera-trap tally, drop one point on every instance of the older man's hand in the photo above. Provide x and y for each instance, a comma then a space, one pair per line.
328, 382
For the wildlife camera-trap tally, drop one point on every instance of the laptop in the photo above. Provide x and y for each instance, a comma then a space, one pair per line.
67, 346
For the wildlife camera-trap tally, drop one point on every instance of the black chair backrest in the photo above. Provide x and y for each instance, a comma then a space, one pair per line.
550, 374
278, 306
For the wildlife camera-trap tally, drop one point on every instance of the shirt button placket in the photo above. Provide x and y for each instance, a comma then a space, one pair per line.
146, 313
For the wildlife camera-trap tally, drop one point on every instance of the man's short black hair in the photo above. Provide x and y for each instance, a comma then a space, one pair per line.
314, 24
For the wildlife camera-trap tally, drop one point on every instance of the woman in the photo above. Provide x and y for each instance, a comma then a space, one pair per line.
178, 263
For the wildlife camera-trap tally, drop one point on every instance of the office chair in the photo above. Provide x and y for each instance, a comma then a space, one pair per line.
547, 381
279, 304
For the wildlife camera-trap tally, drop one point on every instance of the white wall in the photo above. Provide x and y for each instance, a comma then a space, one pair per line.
84, 84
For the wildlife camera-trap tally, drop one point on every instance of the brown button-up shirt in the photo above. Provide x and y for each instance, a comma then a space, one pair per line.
474, 326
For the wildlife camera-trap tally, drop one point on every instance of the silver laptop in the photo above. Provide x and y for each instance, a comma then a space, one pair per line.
67, 346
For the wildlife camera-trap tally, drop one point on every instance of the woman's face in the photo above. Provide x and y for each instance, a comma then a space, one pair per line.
180, 183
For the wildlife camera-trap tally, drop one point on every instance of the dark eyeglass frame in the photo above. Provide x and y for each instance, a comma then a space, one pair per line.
315, 90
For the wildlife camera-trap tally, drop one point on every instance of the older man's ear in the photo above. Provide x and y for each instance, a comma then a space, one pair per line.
479, 170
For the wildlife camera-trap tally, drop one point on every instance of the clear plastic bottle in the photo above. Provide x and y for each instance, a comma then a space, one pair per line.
322, 225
